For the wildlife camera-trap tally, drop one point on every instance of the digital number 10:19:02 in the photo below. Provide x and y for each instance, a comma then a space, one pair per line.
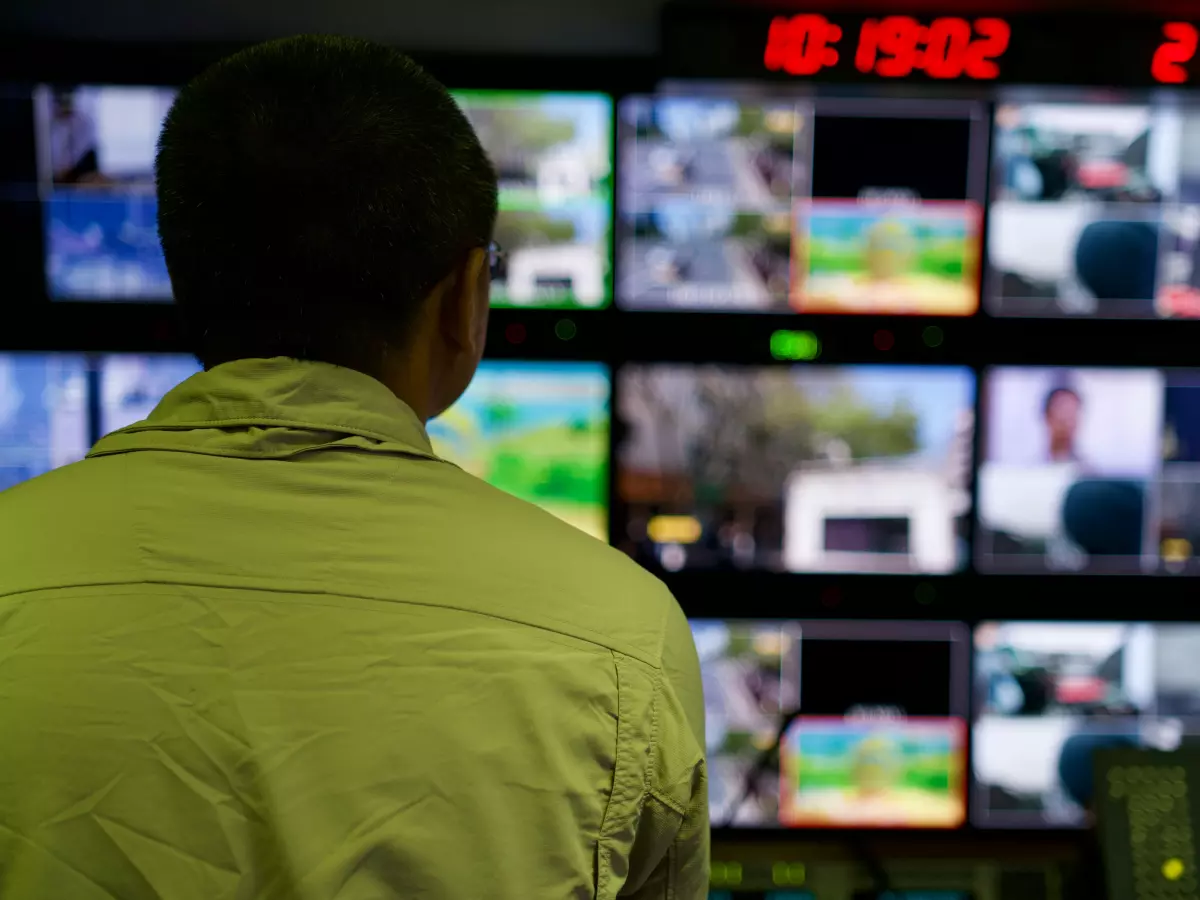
946, 48
893, 47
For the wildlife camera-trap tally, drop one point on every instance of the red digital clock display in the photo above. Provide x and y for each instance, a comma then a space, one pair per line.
945, 48
892, 47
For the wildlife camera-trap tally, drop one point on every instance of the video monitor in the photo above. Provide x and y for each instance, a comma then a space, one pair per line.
819, 205
552, 152
539, 431
1049, 695
96, 167
1095, 208
131, 385
824, 724
49, 401
795, 469
1089, 470
43, 414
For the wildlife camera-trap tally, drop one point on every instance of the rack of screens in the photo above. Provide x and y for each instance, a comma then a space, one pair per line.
552, 152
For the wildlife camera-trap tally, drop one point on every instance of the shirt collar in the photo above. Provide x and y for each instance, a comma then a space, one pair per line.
273, 408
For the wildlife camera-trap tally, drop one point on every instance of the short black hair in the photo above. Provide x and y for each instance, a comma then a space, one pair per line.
1054, 392
311, 192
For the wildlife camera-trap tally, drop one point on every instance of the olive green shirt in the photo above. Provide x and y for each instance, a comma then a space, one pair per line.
266, 644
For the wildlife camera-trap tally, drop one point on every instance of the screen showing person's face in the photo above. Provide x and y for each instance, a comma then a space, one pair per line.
1062, 416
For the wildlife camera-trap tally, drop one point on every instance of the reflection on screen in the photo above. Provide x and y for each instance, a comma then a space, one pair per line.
834, 724
1095, 209
820, 207
552, 153
806, 469
538, 431
1090, 470
1049, 694
43, 414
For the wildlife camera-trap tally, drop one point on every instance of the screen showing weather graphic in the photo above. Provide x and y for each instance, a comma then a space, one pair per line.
825, 724
552, 152
538, 431
824, 205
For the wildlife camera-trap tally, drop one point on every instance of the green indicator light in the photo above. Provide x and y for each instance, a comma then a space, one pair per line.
733, 873
795, 345
564, 329
933, 336
796, 873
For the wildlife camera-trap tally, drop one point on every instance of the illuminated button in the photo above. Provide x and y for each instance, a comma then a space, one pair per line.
1176, 550
515, 333
1173, 869
733, 873
932, 336
884, 340
564, 329
673, 529
795, 345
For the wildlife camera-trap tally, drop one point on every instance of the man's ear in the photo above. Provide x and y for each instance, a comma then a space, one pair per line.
463, 307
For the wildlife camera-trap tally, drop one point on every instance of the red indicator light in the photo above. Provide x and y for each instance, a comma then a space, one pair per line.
884, 340
515, 333
801, 45
948, 47
1167, 66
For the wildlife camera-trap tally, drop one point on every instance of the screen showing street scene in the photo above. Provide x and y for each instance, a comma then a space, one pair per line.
795, 469
818, 206
552, 153
1048, 695
1095, 208
538, 431
834, 724
1089, 471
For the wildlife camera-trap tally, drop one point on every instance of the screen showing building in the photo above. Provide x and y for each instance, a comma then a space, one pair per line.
796, 469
